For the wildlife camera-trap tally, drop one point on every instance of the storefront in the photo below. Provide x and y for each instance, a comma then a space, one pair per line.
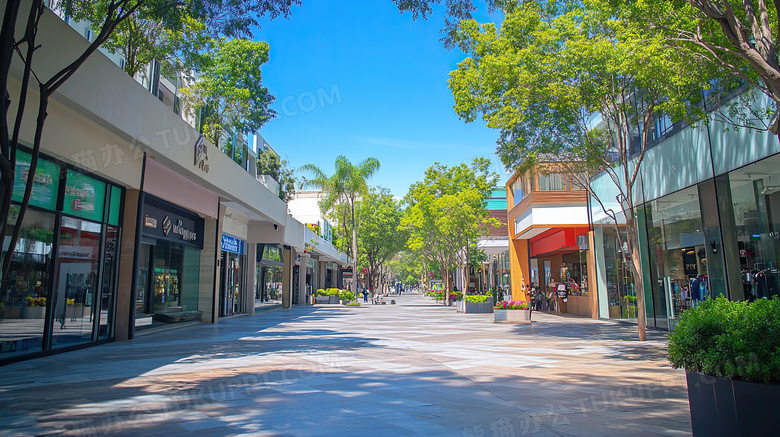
167, 285
711, 228
232, 284
61, 287
269, 270
559, 265
311, 276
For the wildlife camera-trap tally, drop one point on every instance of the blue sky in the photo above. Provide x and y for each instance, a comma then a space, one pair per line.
359, 79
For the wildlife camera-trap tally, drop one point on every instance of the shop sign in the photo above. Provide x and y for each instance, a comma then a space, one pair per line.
174, 227
201, 155
76, 252
232, 244
84, 196
150, 222
45, 182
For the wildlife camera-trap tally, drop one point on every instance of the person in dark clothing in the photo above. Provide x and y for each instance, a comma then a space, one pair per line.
365, 295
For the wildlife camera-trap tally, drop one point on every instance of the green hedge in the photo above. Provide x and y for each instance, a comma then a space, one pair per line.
736, 340
476, 299
328, 292
347, 295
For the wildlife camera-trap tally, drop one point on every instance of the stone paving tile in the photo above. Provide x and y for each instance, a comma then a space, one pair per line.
415, 368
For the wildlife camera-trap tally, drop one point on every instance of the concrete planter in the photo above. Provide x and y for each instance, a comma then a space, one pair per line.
74, 311
319, 300
33, 312
512, 316
334, 300
475, 307
731, 408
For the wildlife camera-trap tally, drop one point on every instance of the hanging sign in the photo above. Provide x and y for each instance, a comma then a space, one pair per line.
232, 244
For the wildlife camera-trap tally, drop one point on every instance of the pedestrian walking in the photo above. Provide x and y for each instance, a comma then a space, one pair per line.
365, 295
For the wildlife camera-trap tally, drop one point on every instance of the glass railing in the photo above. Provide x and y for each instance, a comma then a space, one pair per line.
270, 183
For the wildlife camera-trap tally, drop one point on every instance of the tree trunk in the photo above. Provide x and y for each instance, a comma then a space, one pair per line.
465, 277
636, 264
354, 253
446, 281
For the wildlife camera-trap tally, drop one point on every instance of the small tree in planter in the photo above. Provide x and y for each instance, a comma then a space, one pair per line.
731, 354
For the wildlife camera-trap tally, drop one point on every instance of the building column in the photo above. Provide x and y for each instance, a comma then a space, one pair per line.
124, 291
592, 277
287, 272
250, 268
519, 269
321, 271
302, 279
208, 283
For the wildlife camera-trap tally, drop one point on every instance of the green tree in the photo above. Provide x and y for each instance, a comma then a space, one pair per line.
174, 37
738, 36
223, 17
269, 163
551, 69
228, 93
380, 240
342, 191
407, 267
447, 214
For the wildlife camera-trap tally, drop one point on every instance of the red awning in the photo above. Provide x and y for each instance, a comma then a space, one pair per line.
556, 241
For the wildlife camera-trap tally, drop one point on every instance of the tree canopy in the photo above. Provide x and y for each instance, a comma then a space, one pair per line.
342, 190
228, 94
379, 215
447, 213
573, 82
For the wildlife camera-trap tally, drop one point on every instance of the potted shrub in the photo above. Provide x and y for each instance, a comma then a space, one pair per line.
321, 297
35, 308
479, 304
731, 355
512, 312
346, 296
333, 295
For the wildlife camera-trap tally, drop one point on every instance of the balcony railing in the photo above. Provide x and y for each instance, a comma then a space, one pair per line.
270, 183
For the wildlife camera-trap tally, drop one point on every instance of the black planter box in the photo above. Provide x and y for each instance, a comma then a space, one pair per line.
731, 408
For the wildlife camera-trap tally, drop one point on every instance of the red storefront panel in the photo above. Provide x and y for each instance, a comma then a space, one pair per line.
556, 240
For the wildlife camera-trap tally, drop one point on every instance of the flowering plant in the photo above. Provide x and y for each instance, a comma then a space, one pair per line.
512, 305
35, 301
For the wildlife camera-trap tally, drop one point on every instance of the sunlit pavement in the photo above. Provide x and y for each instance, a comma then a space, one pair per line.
413, 368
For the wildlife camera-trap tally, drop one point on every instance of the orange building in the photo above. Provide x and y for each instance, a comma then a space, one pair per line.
550, 238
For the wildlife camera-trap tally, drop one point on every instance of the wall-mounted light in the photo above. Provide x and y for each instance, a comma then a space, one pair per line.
276, 226
714, 247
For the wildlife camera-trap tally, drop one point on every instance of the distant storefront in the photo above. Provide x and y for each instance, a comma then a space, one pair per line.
269, 268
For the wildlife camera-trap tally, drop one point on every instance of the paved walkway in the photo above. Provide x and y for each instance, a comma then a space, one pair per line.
408, 369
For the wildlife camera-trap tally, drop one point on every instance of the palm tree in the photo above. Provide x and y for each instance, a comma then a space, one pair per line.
344, 187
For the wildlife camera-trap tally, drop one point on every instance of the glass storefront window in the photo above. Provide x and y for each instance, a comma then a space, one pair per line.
84, 196
621, 295
755, 194
574, 273
45, 184
269, 283
25, 291
167, 281
76, 274
105, 309
678, 261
